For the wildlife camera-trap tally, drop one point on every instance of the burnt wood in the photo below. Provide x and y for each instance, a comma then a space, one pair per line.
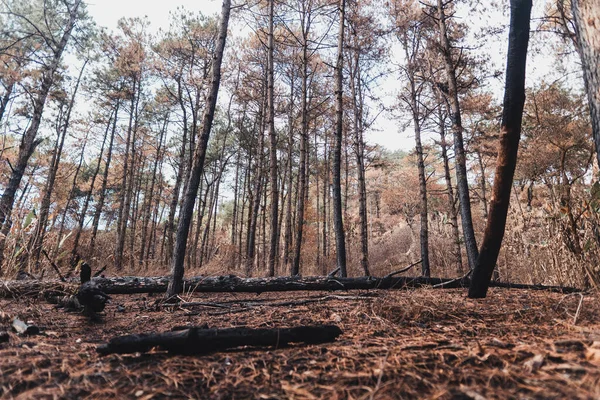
196, 340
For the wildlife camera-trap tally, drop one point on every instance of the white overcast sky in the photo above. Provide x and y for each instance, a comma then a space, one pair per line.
106, 13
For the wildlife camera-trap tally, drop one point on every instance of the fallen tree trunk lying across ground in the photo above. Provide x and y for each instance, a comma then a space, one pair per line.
196, 340
231, 283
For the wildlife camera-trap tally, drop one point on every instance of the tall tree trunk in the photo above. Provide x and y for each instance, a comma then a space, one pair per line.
256, 197
510, 133
176, 282
338, 223
450, 194
29, 141
274, 239
149, 197
179, 176
100, 203
287, 236
88, 197
359, 152
70, 196
587, 30
459, 150
126, 180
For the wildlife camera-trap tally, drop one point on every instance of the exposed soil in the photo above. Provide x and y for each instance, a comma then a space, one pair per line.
421, 343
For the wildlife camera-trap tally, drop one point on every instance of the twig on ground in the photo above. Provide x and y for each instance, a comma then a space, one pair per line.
578, 309
254, 304
403, 269
62, 278
460, 278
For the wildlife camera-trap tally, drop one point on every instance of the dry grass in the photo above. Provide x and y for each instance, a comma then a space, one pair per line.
403, 344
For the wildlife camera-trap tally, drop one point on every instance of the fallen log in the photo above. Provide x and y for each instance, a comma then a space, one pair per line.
197, 340
232, 283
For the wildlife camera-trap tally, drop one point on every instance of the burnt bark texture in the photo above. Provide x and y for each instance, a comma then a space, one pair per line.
235, 284
198, 340
510, 133
587, 31
459, 149
183, 229
338, 222
274, 239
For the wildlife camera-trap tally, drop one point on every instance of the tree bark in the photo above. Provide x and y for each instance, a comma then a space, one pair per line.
302, 179
510, 133
338, 223
587, 30
234, 284
459, 150
29, 141
88, 197
176, 282
450, 194
196, 340
274, 236
359, 152
100, 203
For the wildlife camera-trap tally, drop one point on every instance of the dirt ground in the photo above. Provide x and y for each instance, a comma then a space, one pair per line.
423, 343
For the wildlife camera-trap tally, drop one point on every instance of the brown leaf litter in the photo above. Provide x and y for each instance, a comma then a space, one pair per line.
421, 343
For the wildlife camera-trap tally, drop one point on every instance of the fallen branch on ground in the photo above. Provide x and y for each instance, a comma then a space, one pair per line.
403, 269
234, 284
251, 303
201, 341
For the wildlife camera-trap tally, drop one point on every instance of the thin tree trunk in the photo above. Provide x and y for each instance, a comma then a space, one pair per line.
484, 200
124, 195
100, 204
459, 150
450, 195
302, 181
170, 231
510, 133
5, 99
256, 199
359, 149
176, 282
340, 240
274, 239
88, 197
149, 197
29, 141
70, 196
287, 237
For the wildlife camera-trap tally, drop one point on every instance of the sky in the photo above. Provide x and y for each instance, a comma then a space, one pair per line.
385, 130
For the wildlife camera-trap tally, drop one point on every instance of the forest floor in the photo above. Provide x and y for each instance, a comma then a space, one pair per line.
423, 343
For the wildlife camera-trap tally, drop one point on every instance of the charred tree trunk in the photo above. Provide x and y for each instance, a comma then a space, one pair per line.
176, 282
514, 101
459, 150
100, 204
359, 152
338, 223
274, 239
587, 30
